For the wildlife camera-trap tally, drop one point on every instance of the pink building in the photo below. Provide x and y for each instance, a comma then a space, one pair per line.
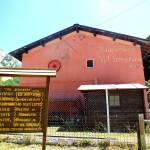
84, 55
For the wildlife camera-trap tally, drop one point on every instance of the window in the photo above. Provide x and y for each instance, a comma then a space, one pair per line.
114, 100
89, 63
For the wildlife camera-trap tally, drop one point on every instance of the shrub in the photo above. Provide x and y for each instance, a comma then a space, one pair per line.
85, 143
4, 139
147, 128
82, 143
130, 128
104, 144
100, 127
61, 143
132, 146
33, 140
121, 145
76, 143
68, 125
26, 140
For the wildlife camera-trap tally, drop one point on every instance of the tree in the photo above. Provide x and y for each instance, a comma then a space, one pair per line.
146, 62
10, 82
148, 84
148, 38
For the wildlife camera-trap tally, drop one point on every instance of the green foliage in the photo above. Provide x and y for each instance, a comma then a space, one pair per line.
146, 62
82, 143
26, 140
130, 128
148, 84
122, 145
148, 38
100, 127
104, 144
61, 143
69, 125
10, 82
10, 62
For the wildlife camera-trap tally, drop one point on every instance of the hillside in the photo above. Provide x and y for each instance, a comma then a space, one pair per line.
8, 61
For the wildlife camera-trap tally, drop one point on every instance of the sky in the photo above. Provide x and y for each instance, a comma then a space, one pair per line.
25, 21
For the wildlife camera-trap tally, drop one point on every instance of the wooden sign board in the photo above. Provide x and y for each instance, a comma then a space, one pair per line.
22, 109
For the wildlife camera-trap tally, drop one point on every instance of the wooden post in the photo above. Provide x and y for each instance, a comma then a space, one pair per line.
141, 133
46, 114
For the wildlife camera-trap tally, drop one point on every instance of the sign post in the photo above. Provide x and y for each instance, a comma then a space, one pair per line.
46, 114
25, 109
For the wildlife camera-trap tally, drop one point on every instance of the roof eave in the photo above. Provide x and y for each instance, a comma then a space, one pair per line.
76, 27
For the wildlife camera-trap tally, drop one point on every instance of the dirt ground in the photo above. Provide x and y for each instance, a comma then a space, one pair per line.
8, 146
11, 146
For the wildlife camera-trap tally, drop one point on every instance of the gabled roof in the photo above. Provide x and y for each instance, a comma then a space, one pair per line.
76, 27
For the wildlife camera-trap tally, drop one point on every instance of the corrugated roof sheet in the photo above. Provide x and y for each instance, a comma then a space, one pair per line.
111, 87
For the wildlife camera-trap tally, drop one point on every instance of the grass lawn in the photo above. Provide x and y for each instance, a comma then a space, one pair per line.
118, 141
123, 137
120, 137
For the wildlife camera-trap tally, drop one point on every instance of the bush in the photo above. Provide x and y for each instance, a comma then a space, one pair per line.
104, 144
68, 126
130, 128
61, 143
4, 139
148, 84
82, 143
33, 140
132, 146
85, 143
121, 145
10, 82
26, 140
100, 127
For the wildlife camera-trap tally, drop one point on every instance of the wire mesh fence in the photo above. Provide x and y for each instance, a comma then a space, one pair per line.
87, 118
84, 117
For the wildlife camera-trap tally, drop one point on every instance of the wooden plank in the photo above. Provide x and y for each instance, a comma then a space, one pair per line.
21, 109
141, 133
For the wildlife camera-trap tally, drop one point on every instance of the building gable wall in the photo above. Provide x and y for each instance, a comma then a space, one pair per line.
115, 61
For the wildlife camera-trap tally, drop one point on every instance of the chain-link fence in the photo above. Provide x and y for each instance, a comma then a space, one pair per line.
86, 117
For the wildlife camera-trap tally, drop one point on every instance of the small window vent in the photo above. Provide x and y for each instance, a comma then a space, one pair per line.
89, 63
